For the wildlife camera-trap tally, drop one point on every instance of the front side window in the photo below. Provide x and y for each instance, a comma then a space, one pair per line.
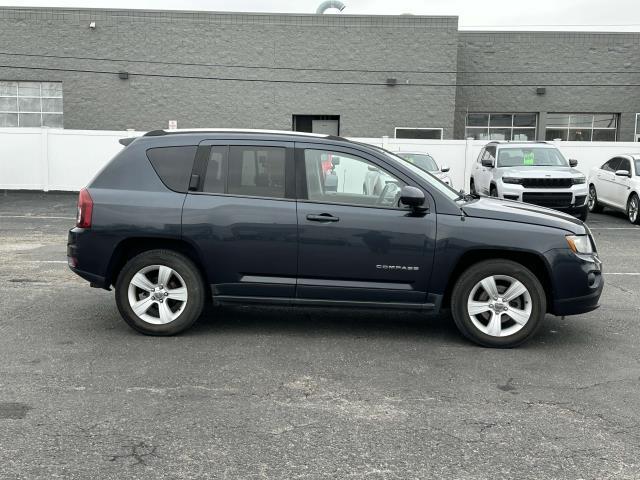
637, 164
337, 177
31, 104
582, 127
611, 165
625, 164
530, 157
256, 171
501, 126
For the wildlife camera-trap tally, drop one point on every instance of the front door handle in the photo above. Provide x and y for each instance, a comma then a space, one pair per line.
323, 217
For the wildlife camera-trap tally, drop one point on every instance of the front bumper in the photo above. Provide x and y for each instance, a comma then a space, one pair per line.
577, 282
570, 200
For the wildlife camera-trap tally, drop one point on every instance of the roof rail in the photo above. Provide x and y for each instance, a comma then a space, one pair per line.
159, 133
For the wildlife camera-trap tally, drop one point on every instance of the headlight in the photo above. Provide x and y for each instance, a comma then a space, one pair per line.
579, 180
511, 180
580, 244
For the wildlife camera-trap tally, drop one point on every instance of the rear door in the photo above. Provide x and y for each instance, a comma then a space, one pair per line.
357, 246
240, 214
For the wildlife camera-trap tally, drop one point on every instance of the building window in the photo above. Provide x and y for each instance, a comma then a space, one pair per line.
322, 124
31, 104
582, 127
419, 133
501, 126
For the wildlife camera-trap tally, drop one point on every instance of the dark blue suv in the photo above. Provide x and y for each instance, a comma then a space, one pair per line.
181, 218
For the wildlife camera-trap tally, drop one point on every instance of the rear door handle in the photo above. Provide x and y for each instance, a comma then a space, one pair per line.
323, 217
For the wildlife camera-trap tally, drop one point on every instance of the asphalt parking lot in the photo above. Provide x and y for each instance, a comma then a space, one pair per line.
282, 393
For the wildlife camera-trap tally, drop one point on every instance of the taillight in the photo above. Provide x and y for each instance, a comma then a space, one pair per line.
85, 209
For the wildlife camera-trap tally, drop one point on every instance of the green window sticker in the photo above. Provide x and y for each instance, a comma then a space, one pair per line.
528, 158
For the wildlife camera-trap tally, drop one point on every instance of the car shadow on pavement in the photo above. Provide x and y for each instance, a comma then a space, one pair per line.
308, 321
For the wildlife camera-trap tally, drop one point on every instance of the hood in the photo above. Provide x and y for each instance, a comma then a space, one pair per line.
512, 211
540, 172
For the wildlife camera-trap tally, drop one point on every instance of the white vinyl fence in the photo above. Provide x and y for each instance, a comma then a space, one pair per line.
52, 159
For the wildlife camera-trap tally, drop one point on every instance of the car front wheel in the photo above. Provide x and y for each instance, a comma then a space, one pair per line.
160, 292
498, 303
633, 206
593, 204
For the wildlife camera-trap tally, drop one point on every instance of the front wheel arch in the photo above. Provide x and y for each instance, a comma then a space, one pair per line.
532, 260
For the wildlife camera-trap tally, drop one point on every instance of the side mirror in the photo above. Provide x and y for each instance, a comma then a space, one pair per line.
573, 162
487, 162
622, 173
412, 197
445, 169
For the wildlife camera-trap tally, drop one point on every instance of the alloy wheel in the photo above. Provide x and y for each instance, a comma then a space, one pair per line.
593, 197
632, 210
157, 294
499, 305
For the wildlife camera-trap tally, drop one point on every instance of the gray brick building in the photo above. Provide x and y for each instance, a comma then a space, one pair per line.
360, 75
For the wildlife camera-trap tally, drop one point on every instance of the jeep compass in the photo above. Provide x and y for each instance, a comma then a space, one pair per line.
181, 218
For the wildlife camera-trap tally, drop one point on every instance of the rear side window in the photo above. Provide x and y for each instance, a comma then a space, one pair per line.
173, 165
256, 171
214, 181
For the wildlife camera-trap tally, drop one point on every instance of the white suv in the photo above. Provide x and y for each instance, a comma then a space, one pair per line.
532, 172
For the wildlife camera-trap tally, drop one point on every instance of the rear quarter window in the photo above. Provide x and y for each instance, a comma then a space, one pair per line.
173, 165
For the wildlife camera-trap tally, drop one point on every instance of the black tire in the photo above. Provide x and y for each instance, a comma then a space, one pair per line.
592, 203
584, 214
475, 274
633, 200
193, 283
493, 191
472, 187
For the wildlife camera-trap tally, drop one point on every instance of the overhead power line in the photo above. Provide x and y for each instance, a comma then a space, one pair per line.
308, 69
319, 82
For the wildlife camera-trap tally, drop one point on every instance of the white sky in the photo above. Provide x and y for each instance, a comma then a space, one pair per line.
603, 15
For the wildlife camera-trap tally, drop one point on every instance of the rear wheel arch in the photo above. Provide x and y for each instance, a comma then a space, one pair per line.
532, 260
130, 247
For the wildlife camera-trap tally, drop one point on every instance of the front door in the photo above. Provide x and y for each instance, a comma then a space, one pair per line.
357, 244
606, 181
620, 187
241, 216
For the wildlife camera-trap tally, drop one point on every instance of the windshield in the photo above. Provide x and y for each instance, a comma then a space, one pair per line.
430, 179
420, 160
531, 157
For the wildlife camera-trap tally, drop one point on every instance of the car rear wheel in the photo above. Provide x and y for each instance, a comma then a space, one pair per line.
498, 303
593, 204
633, 207
160, 292
493, 191
472, 187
